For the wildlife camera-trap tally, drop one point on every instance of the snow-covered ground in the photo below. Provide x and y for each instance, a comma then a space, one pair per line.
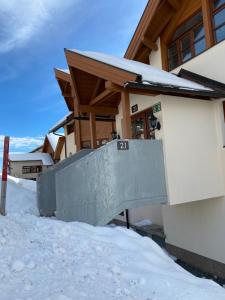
46, 259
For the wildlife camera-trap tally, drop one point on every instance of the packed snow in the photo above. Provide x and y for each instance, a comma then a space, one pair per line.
45, 158
149, 73
46, 259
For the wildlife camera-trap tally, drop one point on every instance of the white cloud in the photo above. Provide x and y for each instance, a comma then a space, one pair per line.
22, 143
21, 20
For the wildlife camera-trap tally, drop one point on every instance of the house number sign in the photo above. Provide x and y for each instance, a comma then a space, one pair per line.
156, 108
123, 145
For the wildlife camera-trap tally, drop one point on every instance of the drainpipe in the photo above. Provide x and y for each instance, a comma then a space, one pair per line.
65, 142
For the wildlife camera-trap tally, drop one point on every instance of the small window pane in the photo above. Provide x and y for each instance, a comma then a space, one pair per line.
199, 33
219, 18
173, 56
200, 46
186, 48
220, 33
218, 3
188, 25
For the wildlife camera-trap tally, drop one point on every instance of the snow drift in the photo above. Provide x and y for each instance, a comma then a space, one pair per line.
48, 259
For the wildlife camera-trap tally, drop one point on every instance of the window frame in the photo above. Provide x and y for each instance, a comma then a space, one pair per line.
31, 169
215, 11
178, 41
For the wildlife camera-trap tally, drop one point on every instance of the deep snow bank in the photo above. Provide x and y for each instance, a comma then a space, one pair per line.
47, 259
21, 196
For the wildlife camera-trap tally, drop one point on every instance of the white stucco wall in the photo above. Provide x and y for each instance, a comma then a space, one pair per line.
155, 57
16, 168
191, 148
208, 64
199, 226
70, 144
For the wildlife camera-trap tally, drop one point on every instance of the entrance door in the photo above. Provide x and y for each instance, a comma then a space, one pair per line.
141, 125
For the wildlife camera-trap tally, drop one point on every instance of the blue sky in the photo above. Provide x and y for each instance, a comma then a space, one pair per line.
33, 35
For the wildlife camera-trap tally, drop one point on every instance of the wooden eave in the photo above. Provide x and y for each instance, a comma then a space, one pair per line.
46, 146
157, 15
64, 82
141, 29
210, 83
89, 77
59, 147
173, 91
99, 69
63, 123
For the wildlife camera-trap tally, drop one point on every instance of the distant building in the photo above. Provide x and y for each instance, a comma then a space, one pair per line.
38, 149
53, 145
29, 165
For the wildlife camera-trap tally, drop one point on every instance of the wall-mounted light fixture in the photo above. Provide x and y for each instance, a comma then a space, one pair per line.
114, 135
154, 122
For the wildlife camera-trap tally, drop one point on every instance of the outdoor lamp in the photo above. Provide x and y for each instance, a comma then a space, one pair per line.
114, 135
154, 123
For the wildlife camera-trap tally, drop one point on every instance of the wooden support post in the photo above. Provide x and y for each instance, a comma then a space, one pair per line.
207, 21
93, 130
77, 132
125, 101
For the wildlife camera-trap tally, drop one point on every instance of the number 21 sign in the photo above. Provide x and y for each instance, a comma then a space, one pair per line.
123, 145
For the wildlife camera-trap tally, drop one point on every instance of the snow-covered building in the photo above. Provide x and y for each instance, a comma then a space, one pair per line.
53, 144
29, 165
169, 86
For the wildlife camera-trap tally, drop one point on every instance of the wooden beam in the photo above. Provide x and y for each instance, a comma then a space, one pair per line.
74, 88
93, 130
109, 85
100, 97
149, 43
125, 101
207, 22
95, 91
66, 95
99, 110
175, 4
99, 69
77, 132
168, 32
149, 13
145, 52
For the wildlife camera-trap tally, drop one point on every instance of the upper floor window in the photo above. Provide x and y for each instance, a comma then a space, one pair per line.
219, 20
187, 42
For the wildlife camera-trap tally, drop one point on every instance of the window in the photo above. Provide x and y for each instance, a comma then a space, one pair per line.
70, 128
31, 169
219, 20
187, 42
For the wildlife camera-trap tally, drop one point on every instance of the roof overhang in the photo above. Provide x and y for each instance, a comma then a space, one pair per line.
173, 91
123, 79
65, 83
154, 23
59, 147
62, 123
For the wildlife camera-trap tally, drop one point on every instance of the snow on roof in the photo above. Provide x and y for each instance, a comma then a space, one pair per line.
60, 121
44, 157
53, 140
64, 70
150, 74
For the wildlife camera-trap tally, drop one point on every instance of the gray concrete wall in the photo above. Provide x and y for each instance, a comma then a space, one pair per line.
104, 183
46, 187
